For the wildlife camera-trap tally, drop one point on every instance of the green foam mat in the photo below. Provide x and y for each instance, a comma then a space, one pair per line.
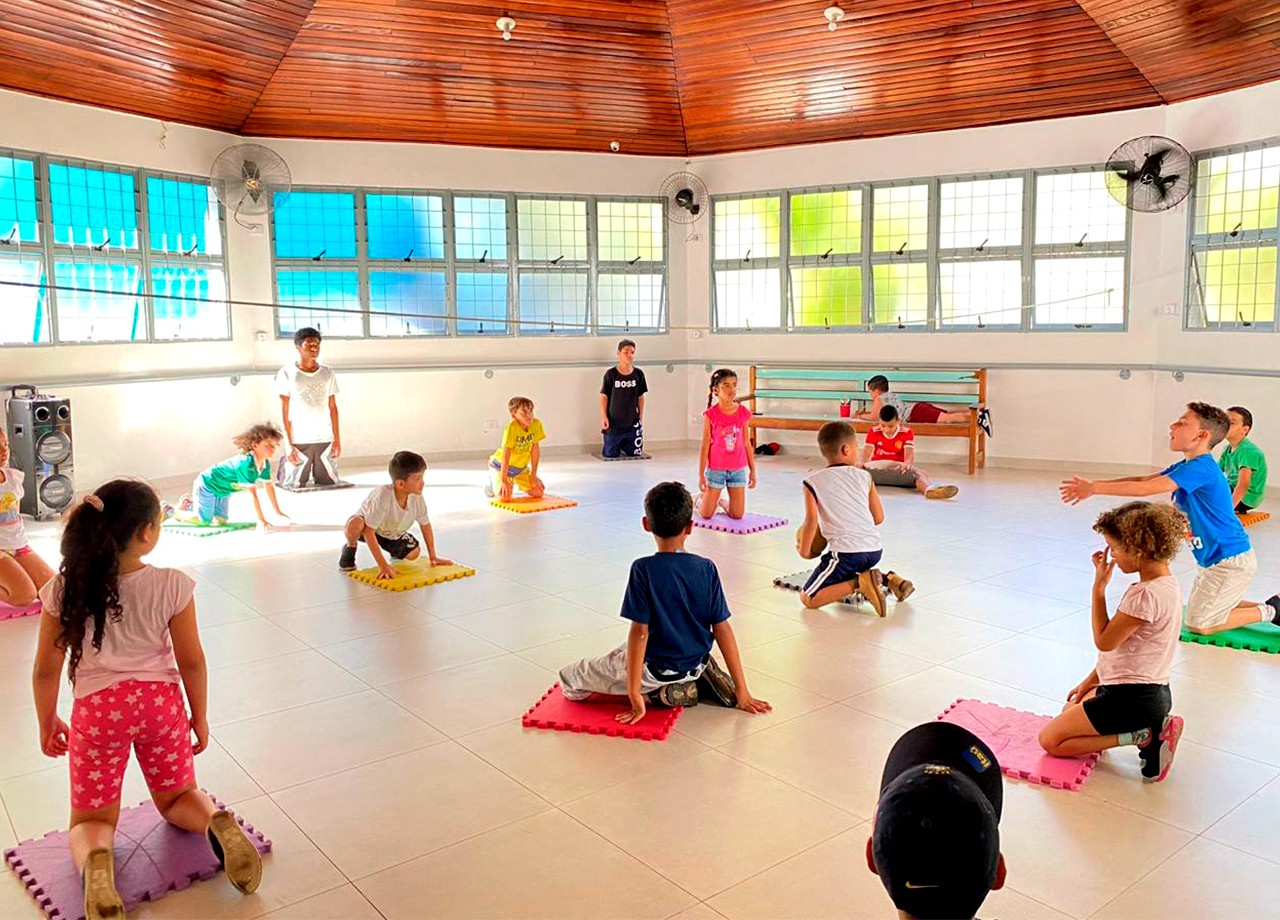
1260, 637
206, 530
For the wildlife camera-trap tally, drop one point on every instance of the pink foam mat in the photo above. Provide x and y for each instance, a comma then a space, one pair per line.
1012, 736
748, 523
152, 858
553, 711
9, 612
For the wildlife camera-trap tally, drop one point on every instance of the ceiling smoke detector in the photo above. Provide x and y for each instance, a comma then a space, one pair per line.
833, 15
506, 25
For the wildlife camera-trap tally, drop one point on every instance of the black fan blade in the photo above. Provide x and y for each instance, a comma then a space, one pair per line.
695, 210
684, 199
249, 169
1125, 169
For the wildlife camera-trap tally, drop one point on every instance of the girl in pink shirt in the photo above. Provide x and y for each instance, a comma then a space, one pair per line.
1125, 700
726, 460
127, 632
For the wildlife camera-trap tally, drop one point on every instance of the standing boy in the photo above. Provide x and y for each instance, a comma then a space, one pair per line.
1243, 463
387, 514
622, 405
515, 462
890, 457
1218, 541
309, 407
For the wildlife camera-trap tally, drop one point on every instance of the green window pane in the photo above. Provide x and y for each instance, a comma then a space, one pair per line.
900, 218
980, 293
1079, 291
1237, 191
826, 296
323, 299
19, 219
1075, 207
182, 217
25, 317
826, 223
106, 305
984, 212
748, 297
1234, 286
190, 302
630, 230
631, 302
748, 228
900, 292
551, 228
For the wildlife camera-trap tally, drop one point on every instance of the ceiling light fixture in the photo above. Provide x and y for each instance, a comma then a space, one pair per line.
506, 25
833, 15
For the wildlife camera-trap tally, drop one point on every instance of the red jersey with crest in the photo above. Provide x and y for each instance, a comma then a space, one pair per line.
886, 448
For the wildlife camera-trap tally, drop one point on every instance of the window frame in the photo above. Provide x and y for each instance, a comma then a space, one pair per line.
601, 266
774, 263
539, 328
860, 259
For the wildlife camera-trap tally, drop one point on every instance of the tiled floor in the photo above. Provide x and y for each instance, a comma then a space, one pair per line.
376, 736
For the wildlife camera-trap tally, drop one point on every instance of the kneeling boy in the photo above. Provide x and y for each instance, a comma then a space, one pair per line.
677, 608
1243, 463
890, 457
387, 513
515, 462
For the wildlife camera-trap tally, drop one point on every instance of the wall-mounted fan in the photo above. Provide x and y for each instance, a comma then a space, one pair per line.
1149, 174
686, 196
247, 178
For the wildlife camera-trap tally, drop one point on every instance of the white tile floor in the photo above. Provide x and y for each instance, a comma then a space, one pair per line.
376, 737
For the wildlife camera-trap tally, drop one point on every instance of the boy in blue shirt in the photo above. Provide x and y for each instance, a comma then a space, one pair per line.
1200, 490
676, 607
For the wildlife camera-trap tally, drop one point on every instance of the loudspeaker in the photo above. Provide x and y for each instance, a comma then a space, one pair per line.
39, 429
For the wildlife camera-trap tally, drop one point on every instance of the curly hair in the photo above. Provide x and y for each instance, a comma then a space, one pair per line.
1147, 529
246, 440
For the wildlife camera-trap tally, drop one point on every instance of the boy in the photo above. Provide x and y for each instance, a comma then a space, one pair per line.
309, 407
387, 513
1218, 541
842, 510
1244, 465
676, 607
622, 405
935, 837
922, 413
890, 455
515, 462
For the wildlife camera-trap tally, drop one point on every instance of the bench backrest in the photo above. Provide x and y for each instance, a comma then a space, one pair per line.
958, 387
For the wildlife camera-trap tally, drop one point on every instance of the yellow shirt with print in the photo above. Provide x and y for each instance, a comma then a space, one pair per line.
520, 441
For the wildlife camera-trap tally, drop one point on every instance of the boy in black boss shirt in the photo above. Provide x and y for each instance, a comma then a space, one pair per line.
622, 405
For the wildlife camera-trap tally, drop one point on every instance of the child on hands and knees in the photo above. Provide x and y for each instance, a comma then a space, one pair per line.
1244, 465
515, 462
128, 635
677, 609
1125, 699
725, 461
387, 514
210, 497
1224, 556
22, 572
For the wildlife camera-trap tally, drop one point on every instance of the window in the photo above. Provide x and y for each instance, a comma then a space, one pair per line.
184, 226
482, 302
746, 238
407, 303
981, 253
1079, 291
981, 213
825, 265
405, 226
99, 301
328, 300
551, 229
900, 218
1232, 280
552, 265
631, 231
189, 302
630, 301
900, 276
901, 294
979, 294
183, 217
483, 286
25, 317
1076, 208
96, 208
552, 302
315, 225
631, 255
480, 228
19, 216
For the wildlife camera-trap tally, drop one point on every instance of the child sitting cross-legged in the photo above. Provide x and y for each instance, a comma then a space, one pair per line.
1125, 699
890, 456
677, 609
386, 515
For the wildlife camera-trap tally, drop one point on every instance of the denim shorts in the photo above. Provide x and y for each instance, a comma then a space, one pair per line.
208, 505
733, 479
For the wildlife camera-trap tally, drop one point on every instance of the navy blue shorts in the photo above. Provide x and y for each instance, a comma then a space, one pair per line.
629, 442
834, 568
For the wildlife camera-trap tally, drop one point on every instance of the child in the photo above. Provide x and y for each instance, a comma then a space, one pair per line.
676, 607
515, 462
386, 515
841, 513
128, 634
922, 413
725, 460
622, 405
22, 572
1223, 553
212, 490
890, 455
309, 409
1242, 462
1125, 699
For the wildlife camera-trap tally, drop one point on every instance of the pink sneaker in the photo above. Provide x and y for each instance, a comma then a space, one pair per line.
1158, 757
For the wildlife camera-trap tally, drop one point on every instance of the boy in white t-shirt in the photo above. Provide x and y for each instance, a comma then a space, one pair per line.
387, 514
309, 407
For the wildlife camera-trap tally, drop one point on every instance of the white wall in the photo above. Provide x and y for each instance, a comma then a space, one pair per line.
1048, 418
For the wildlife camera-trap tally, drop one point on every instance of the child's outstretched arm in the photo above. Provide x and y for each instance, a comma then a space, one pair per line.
704, 454
728, 643
1077, 488
45, 678
189, 653
257, 505
429, 538
271, 494
809, 529
637, 642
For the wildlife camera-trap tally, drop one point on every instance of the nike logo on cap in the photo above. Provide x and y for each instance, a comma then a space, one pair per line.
913, 886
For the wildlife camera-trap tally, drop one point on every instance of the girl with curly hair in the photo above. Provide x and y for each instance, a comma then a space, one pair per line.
210, 497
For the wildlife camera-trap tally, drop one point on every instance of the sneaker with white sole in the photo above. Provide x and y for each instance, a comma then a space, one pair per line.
871, 587
1157, 754
347, 561
942, 492
984, 422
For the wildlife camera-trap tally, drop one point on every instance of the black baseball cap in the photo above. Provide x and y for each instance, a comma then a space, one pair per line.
936, 840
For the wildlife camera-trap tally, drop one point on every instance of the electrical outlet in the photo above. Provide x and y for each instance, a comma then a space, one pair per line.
260, 337
1171, 309
491, 424
695, 334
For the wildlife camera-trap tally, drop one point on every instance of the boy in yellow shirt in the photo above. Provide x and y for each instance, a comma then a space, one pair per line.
515, 462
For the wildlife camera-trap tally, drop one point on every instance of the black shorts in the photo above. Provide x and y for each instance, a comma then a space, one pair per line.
401, 547
1119, 708
1242, 508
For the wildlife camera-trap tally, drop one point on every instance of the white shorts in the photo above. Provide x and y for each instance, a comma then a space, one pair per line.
1218, 589
608, 675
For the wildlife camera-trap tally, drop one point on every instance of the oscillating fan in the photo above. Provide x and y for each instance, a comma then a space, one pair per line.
686, 196
247, 179
1149, 174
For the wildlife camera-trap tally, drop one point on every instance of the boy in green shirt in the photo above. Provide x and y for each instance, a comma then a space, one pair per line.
1243, 463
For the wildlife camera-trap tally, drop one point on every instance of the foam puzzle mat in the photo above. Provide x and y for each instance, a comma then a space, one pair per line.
1253, 517
12, 612
186, 529
748, 523
554, 712
1012, 736
526, 505
796, 582
1257, 637
340, 484
639, 456
416, 573
152, 858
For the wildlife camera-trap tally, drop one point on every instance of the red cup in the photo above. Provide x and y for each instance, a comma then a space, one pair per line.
845, 410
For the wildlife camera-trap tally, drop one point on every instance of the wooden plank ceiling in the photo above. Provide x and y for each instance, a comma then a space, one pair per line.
674, 77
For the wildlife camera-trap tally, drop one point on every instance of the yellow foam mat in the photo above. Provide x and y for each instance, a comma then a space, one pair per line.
1253, 517
526, 505
416, 573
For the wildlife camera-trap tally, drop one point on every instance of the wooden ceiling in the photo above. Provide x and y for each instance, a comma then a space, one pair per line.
677, 77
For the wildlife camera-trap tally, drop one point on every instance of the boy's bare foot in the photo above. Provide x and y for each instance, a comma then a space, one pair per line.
942, 492
870, 586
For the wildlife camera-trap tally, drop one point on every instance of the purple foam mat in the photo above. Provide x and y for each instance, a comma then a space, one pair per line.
748, 523
152, 858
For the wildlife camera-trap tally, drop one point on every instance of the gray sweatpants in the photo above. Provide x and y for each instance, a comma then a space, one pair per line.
608, 675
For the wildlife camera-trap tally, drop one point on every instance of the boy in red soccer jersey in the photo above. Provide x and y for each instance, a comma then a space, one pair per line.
889, 456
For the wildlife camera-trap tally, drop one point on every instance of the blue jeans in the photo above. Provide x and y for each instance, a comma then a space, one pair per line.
208, 505
732, 479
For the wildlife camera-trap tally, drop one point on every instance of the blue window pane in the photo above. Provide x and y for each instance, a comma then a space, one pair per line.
308, 298
93, 207
407, 303
482, 303
19, 220
480, 228
401, 224
24, 311
309, 223
553, 302
190, 302
182, 217
99, 302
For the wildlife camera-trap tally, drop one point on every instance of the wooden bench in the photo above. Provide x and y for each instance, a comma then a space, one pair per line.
831, 386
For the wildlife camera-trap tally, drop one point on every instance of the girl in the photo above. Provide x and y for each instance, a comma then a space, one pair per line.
1125, 699
128, 634
725, 461
212, 490
22, 572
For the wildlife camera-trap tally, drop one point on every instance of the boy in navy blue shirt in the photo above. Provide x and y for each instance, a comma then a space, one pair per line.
677, 608
1200, 490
